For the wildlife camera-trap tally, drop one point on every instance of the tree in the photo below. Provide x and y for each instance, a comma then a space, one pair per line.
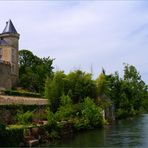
66, 109
134, 87
54, 89
33, 70
91, 113
80, 85
77, 85
101, 84
127, 92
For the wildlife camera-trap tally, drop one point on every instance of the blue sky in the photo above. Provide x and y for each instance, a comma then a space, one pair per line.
83, 34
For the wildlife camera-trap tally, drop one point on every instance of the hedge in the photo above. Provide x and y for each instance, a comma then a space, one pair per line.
22, 93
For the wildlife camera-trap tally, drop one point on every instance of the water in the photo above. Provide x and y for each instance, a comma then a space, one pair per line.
125, 133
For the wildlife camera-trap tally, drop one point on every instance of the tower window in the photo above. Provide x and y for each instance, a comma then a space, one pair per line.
1, 53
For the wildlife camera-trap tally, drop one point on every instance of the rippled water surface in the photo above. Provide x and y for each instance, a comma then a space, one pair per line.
125, 133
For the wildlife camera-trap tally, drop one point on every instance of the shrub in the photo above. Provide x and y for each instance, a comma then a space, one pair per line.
2, 129
22, 93
91, 113
24, 118
65, 110
51, 118
12, 137
81, 123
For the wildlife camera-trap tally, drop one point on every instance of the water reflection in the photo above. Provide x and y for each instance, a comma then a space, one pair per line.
125, 133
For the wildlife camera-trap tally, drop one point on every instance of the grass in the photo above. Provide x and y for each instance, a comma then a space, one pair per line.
19, 126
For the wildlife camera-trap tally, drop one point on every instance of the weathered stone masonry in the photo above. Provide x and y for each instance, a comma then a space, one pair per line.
5, 75
9, 70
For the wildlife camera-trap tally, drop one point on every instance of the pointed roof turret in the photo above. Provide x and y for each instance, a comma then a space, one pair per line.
9, 28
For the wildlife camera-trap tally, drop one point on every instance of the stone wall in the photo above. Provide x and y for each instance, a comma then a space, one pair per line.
5, 75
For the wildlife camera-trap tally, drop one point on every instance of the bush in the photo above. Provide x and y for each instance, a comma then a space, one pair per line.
2, 129
122, 113
81, 123
24, 118
65, 110
22, 93
51, 118
14, 137
91, 115
11, 137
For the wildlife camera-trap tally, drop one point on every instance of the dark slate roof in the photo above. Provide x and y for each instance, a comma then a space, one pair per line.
9, 28
3, 42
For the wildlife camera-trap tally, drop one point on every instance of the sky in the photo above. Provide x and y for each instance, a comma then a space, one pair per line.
86, 35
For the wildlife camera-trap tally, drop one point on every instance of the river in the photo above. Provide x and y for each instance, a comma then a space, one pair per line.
123, 133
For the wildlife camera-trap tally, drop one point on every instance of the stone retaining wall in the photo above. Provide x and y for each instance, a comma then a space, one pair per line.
14, 100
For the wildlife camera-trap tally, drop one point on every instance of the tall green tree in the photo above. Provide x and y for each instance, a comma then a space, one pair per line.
127, 92
101, 84
80, 85
77, 85
134, 87
33, 70
54, 89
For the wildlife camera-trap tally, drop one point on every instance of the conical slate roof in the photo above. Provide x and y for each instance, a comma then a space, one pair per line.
9, 28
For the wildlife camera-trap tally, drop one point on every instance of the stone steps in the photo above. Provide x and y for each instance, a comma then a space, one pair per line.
32, 142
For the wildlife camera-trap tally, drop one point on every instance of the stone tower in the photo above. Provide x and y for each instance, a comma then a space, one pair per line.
9, 42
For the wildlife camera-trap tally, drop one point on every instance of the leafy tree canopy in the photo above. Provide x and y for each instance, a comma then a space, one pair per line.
128, 92
33, 70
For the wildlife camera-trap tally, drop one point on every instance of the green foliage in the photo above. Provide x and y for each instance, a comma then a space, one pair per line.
145, 102
14, 137
21, 93
82, 115
24, 118
65, 110
33, 70
11, 137
65, 100
47, 89
77, 85
91, 112
81, 123
80, 85
54, 88
2, 129
88, 115
128, 92
54, 134
51, 118
3, 134
101, 84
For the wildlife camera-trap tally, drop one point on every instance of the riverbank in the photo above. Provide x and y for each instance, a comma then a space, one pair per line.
65, 133
31, 135
122, 133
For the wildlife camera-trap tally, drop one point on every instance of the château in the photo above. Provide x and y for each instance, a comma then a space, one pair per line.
9, 44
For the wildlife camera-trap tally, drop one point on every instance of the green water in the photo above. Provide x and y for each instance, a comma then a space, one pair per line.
125, 133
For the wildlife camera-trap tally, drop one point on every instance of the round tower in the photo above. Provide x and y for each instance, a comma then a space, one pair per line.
10, 50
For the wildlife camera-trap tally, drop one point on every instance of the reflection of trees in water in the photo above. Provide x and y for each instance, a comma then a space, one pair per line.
127, 132
123, 133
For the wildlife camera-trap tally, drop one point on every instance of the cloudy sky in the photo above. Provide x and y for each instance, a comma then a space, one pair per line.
86, 35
